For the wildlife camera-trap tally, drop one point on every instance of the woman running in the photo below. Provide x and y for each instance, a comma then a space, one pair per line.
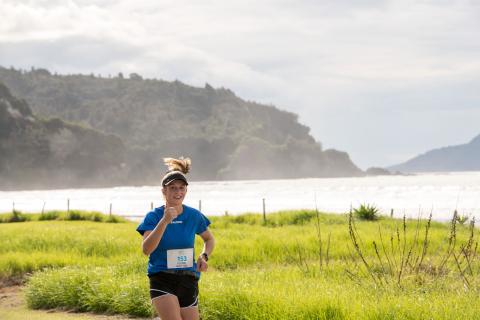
168, 239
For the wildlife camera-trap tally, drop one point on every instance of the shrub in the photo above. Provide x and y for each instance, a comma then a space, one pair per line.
97, 217
50, 215
114, 219
367, 212
17, 216
75, 215
72, 215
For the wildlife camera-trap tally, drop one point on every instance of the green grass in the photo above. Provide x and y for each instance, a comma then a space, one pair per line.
71, 215
287, 293
13, 307
259, 270
99, 289
30, 246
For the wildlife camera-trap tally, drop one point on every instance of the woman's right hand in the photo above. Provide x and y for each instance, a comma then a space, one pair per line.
170, 213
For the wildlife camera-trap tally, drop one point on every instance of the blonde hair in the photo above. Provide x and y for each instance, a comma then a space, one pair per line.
182, 164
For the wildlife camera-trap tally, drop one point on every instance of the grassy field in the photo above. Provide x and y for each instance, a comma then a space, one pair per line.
298, 265
13, 307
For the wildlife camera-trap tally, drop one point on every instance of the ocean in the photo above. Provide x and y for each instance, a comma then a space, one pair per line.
412, 195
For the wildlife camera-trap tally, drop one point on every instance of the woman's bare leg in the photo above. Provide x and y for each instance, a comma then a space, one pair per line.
190, 313
167, 307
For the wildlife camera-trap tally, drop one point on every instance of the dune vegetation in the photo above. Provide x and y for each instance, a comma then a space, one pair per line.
295, 265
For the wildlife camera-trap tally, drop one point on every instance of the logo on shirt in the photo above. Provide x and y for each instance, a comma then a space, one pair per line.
177, 221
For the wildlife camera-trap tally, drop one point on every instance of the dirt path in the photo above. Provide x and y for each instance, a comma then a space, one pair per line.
10, 297
13, 307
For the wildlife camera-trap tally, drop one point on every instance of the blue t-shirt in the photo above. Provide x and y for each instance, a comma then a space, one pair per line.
179, 234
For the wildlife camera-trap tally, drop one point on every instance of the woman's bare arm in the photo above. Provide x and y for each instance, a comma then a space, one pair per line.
208, 245
151, 239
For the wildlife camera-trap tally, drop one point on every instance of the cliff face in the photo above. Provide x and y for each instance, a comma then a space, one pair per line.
36, 153
226, 137
465, 157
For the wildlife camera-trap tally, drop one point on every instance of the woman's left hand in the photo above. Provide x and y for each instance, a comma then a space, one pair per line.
202, 265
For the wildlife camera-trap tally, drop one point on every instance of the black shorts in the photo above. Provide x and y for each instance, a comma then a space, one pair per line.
184, 287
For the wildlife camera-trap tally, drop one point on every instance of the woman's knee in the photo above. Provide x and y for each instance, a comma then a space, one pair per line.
167, 307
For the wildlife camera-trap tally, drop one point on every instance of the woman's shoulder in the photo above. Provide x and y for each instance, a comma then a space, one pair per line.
156, 213
197, 214
150, 220
191, 210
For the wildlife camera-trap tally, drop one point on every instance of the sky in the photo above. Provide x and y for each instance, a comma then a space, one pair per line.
382, 80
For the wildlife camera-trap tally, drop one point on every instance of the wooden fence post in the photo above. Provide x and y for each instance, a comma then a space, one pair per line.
264, 213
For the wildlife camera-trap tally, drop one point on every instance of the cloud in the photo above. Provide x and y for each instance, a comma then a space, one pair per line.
75, 54
357, 72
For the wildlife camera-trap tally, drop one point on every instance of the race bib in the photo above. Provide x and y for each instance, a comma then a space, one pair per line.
180, 258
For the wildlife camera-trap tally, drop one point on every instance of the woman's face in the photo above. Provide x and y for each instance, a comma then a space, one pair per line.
175, 192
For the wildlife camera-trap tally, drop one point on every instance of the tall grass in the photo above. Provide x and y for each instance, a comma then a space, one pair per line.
31, 246
99, 289
275, 292
407, 253
71, 215
297, 265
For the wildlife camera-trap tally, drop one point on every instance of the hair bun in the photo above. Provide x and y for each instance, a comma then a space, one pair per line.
182, 164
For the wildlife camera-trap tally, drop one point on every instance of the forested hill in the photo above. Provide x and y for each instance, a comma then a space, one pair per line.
226, 137
38, 153
464, 157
